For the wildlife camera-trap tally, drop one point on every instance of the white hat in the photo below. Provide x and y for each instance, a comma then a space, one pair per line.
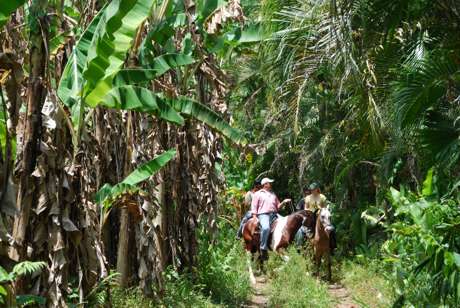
266, 180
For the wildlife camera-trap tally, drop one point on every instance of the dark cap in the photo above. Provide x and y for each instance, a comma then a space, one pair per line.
314, 186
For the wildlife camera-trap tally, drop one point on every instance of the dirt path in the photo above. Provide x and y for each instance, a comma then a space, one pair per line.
342, 295
260, 296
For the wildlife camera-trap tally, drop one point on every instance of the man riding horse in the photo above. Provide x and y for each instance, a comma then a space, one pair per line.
264, 208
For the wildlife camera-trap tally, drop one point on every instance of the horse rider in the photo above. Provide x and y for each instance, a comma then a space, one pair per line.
247, 202
264, 207
314, 202
303, 231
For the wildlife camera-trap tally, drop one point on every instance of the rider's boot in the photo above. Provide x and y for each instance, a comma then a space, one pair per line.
263, 254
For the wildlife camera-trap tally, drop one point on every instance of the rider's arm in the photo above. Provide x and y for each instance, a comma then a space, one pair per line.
279, 205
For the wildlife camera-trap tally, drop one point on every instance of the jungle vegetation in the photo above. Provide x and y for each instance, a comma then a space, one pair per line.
131, 129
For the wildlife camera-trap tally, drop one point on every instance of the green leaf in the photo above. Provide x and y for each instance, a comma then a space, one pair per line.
206, 7
428, 184
3, 292
71, 83
158, 67
150, 168
28, 267
251, 35
8, 7
4, 276
204, 114
457, 259
26, 300
107, 194
108, 51
142, 100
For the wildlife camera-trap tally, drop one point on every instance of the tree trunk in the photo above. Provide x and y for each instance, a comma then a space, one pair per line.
36, 93
123, 255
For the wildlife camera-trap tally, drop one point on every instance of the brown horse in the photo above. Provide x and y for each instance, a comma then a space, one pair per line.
322, 240
282, 232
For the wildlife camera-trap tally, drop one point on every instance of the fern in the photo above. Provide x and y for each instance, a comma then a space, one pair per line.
29, 300
28, 268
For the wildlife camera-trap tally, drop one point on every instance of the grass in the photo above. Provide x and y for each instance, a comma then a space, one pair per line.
292, 285
367, 285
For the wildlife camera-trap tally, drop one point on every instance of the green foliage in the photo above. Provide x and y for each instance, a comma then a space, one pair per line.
293, 285
115, 35
222, 266
221, 278
142, 100
21, 269
71, 83
30, 300
108, 193
100, 294
7, 8
204, 114
424, 248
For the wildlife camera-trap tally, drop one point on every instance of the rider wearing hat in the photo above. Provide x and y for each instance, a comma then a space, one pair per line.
316, 200
265, 206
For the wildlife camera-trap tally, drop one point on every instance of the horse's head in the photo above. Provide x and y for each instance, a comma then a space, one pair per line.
325, 219
308, 218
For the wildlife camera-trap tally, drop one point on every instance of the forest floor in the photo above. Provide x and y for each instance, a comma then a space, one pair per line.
341, 295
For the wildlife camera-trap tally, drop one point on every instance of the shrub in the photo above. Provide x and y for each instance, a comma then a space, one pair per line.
223, 270
424, 247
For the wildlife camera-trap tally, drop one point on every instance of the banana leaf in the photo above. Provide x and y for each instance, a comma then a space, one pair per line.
141, 100
71, 83
160, 65
108, 193
206, 115
108, 51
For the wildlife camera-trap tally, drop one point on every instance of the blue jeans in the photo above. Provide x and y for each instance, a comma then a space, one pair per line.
265, 221
245, 219
300, 237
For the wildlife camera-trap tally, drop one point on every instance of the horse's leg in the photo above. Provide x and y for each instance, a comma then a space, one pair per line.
317, 263
252, 278
329, 274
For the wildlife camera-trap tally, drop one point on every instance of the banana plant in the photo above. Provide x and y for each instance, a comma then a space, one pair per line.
95, 75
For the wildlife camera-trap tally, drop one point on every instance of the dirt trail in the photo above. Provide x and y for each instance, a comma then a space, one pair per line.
260, 295
342, 295
259, 298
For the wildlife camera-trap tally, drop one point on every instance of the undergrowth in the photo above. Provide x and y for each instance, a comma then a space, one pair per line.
292, 284
366, 284
221, 279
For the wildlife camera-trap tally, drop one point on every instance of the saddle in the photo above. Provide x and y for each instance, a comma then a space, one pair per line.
251, 234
